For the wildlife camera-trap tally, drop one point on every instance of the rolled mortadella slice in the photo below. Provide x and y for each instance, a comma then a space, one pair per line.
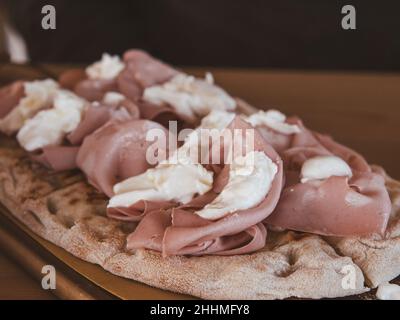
172, 182
183, 231
93, 118
138, 210
330, 190
10, 96
116, 151
142, 71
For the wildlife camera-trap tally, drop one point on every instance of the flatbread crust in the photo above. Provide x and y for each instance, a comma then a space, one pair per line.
378, 258
65, 210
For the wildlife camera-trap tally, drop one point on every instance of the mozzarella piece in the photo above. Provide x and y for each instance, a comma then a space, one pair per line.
191, 97
178, 178
194, 146
107, 68
48, 127
388, 291
113, 98
38, 95
178, 182
273, 119
217, 119
323, 167
250, 179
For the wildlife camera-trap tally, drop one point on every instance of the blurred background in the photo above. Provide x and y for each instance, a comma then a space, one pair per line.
240, 33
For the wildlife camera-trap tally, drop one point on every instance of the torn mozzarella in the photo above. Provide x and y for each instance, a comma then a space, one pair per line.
323, 167
273, 119
48, 127
388, 291
107, 68
189, 96
197, 143
113, 98
39, 95
176, 182
178, 178
250, 179
217, 119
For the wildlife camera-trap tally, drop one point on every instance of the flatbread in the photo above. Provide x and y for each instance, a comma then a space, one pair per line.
65, 210
378, 258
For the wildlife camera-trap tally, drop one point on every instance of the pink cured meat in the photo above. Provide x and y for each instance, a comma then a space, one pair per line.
115, 152
336, 206
179, 231
96, 116
94, 90
141, 72
57, 158
90, 89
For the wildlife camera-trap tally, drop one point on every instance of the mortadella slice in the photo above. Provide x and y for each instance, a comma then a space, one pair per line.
98, 115
57, 158
355, 205
335, 206
179, 231
95, 89
115, 152
93, 118
142, 71
161, 114
138, 210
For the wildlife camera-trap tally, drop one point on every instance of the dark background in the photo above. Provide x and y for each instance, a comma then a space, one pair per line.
230, 33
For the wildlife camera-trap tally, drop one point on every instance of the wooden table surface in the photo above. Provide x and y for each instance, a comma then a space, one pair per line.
361, 110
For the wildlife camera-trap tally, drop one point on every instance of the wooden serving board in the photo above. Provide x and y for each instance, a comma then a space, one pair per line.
351, 112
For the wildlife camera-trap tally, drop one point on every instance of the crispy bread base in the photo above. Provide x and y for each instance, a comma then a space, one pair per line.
65, 210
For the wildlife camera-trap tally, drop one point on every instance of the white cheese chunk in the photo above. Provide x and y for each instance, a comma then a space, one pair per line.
250, 179
38, 95
197, 143
190, 97
323, 167
48, 127
107, 68
113, 98
273, 119
388, 291
178, 178
177, 182
217, 119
